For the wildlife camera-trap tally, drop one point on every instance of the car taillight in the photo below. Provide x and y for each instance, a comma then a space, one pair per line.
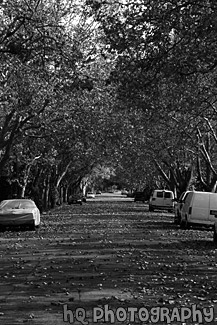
190, 210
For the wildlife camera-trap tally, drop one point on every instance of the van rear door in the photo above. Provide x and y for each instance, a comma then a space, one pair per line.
159, 199
168, 199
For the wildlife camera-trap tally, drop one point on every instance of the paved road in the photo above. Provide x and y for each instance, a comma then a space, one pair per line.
112, 253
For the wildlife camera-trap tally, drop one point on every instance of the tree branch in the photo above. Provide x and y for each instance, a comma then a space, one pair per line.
163, 174
205, 153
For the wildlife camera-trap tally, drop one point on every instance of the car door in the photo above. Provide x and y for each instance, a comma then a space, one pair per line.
185, 205
181, 201
159, 200
168, 197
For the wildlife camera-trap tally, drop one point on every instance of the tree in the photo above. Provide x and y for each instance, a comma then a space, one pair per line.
52, 90
165, 60
35, 53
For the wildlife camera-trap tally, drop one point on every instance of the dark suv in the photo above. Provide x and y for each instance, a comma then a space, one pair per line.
76, 199
140, 196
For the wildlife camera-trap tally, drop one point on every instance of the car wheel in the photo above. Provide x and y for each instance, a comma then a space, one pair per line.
187, 226
184, 223
32, 226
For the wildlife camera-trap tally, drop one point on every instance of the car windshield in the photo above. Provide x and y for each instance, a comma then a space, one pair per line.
16, 204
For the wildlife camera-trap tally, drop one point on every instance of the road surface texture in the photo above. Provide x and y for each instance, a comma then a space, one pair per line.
107, 262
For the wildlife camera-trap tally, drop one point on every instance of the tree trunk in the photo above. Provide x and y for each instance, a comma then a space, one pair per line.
46, 193
61, 195
65, 194
53, 195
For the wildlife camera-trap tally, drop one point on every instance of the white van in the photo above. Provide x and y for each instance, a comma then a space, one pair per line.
161, 200
199, 208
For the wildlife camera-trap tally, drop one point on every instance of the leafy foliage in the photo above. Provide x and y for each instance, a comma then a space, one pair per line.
127, 86
166, 67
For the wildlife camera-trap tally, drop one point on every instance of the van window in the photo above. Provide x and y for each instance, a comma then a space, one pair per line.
159, 194
167, 195
184, 198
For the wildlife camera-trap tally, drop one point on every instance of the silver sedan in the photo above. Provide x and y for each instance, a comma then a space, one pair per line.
19, 212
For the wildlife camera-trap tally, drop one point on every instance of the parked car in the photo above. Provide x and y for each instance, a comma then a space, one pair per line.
199, 208
178, 207
140, 196
76, 199
19, 212
91, 195
161, 200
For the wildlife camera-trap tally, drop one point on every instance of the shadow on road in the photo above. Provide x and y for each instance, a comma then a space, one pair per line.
183, 245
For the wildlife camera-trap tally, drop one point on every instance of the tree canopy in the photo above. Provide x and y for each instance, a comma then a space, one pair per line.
95, 88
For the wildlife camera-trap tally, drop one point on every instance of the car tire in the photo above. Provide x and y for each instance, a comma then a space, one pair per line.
184, 224
187, 226
32, 226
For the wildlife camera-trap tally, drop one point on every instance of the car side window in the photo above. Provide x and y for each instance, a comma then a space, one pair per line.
160, 194
27, 205
185, 197
167, 195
